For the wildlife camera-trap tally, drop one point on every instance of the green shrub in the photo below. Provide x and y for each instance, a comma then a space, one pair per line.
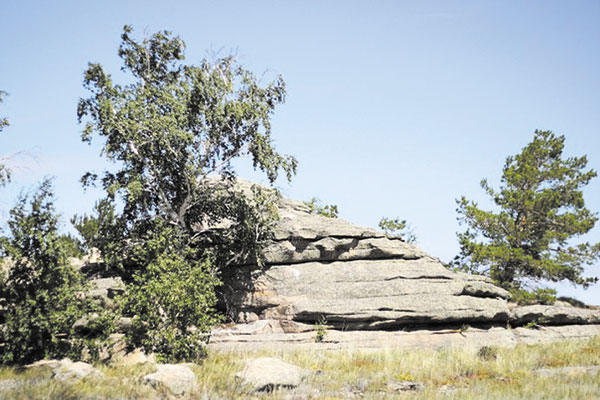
40, 289
398, 227
537, 296
328, 210
173, 298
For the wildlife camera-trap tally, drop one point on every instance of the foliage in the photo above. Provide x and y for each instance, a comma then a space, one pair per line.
40, 290
487, 353
167, 225
3, 121
4, 171
321, 329
541, 208
398, 227
537, 296
173, 297
328, 210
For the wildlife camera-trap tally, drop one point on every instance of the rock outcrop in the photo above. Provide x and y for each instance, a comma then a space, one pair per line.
328, 273
320, 268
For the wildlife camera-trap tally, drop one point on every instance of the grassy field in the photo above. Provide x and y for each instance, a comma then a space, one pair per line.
444, 374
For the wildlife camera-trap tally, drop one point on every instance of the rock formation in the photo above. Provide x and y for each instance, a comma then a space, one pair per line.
322, 270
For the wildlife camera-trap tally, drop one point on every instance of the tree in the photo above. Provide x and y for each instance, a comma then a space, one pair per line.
39, 293
540, 211
4, 171
398, 227
328, 210
169, 131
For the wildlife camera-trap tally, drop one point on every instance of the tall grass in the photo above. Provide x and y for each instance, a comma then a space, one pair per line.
453, 373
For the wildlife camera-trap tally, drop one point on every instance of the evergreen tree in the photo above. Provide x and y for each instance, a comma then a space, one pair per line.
540, 210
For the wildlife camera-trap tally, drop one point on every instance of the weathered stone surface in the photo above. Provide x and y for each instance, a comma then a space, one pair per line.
65, 369
178, 379
104, 290
296, 221
262, 327
355, 278
473, 338
77, 370
550, 334
554, 315
268, 373
296, 250
370, 294
135, 357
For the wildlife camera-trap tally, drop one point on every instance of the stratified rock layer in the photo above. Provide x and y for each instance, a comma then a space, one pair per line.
322, 268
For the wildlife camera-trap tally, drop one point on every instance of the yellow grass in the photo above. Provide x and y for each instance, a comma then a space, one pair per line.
446, 374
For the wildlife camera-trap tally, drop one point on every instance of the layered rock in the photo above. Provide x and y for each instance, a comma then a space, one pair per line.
320, 268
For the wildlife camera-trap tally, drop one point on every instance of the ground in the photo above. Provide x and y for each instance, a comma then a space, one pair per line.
524, 372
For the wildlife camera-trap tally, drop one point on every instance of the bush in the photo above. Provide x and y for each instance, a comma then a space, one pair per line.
40, 289
173, 298
537, 296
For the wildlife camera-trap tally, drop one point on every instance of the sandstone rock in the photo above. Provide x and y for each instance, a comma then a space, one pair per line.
355, 278
50, 364
65, 369
264, 326
104, 290
550, 334
114, 349
554, 315
369, 294
473, 338
75, 371
135, 357
295, 250
178, 379
268, 373
83, 326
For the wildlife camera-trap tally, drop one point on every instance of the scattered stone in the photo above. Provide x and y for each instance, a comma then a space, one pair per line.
178, 379
405, 386
50, 364
75, 371
66, 369
104, 290
266, 374
135, 357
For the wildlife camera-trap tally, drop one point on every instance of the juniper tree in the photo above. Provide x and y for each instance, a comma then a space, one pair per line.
540, 210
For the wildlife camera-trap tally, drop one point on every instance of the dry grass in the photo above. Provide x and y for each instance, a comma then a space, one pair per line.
446, 374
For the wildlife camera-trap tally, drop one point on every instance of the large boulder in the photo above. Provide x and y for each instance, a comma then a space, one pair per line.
266, 374
320, 268
178, 379
67, 370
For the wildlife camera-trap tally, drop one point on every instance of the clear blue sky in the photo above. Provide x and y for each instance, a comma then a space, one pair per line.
395, 108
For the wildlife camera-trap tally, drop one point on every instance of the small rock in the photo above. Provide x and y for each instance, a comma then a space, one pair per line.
136, 357
50, 364
66, 369
404, 386
179, 379
76, 371
268, 373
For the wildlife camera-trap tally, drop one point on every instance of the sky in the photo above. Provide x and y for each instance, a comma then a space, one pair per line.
394, 108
